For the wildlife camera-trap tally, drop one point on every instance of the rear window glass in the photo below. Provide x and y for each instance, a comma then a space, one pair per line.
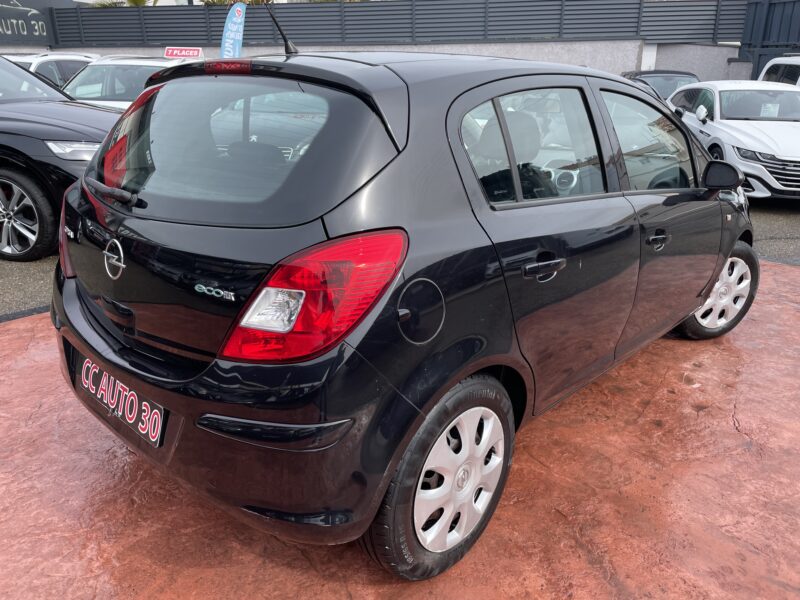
245, 151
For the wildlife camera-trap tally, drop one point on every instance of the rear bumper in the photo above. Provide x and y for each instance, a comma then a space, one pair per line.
307, 458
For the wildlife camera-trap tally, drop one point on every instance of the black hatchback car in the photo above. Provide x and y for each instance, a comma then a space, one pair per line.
327, 290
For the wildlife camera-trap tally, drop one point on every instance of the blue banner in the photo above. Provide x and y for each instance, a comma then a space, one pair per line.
233, 34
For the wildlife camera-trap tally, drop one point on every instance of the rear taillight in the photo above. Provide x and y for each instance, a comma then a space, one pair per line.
63, 251
311, 300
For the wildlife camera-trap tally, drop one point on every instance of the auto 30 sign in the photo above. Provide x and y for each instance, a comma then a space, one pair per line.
24, 24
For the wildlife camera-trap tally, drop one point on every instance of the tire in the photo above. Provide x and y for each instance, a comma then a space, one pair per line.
393, 539
714, 318
24, 212
716, 153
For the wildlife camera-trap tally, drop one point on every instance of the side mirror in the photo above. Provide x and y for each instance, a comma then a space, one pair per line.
679, 111
702, 114
720, 175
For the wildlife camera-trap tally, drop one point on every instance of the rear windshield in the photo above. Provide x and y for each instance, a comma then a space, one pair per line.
243, 151
665, 85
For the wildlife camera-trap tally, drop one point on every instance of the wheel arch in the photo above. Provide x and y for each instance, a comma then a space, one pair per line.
747, 237
11, 158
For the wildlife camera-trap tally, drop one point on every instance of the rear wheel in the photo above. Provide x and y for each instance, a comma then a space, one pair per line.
27, 223
448, 483
730, 299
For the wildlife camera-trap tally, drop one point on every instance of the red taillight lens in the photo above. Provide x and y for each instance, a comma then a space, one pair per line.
311, 300
63, 251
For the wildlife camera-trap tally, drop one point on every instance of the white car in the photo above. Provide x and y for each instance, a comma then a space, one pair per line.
115, 81
56, 67
754, 125
784, 69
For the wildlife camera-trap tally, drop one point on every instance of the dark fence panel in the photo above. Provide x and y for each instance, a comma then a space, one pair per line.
772, 28
410, 21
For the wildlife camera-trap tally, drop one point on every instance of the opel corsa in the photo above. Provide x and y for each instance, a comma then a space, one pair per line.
327, 290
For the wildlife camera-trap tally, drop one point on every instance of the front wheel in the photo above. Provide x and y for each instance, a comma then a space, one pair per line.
730, 299
27, 224
448, 483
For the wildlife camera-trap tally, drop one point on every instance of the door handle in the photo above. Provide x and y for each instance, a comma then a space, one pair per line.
545, 270
658, 240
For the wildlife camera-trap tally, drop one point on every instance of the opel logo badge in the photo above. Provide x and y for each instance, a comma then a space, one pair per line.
114, 259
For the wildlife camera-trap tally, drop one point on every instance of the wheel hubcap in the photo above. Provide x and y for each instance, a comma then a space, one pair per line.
458, 480
19, 223
728, 297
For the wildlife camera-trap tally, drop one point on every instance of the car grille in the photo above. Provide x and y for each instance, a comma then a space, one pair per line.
785, 172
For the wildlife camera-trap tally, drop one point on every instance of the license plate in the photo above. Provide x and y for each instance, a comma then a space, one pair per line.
145, 417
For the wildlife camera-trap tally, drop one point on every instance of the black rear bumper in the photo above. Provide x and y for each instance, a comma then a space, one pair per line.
302, 451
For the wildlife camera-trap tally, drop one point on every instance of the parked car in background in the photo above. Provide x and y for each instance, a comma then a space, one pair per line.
662, 82
754, 125
56, 67
115, 81
327, 290
784, 69
46, 141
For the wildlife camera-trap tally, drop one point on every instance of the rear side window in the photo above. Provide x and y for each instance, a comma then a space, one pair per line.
552, 143
773, 73
110, 83
49, 71
243, 151
483, 140
655, 151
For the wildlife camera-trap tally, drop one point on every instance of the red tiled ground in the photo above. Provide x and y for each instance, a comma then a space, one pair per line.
675, 475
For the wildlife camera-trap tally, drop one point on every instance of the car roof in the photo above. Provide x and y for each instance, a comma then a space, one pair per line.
788, 60
721, 86
126, 59
62, 55
658, 72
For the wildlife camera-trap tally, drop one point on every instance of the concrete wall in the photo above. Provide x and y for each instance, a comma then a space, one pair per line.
709, 62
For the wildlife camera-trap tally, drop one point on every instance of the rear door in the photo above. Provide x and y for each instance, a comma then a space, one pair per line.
680, 223
566, 237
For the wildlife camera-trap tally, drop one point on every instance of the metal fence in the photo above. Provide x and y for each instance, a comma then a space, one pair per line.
409, 22
772, 28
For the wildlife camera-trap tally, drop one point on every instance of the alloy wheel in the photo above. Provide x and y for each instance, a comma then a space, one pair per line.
728, 296
19, 221
459, 478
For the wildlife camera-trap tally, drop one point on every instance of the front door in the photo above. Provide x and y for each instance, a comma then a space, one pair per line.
680, 223
567, 239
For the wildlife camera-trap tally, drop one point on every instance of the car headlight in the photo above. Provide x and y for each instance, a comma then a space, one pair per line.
746, 154
83, 151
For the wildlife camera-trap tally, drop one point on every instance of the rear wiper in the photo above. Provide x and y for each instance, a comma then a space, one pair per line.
117, 194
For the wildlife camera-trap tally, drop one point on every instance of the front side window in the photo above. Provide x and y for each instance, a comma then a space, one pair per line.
686, 99
655, 150
705, 98
552, 143
68, 68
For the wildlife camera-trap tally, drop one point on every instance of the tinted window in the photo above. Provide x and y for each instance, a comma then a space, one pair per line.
18, 84
483, 140
238, 150
68, 68
655, 150
791, 74
115, 83
773, 73
553, 142
705, 98
49, 71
